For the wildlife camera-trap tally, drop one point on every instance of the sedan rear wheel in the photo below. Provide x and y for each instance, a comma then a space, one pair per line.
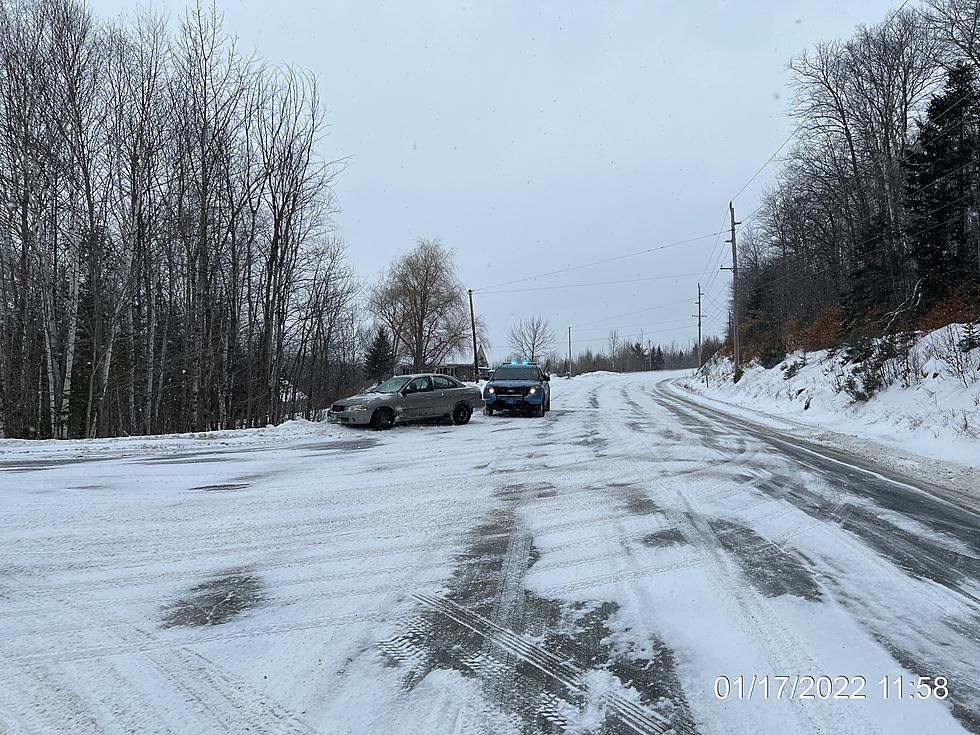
461, 414
382, 419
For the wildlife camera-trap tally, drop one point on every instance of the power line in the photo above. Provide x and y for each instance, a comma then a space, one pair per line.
608, 319
635, 334
597, 262
593, 283
713, 258
768, 160
633, 326
899, 10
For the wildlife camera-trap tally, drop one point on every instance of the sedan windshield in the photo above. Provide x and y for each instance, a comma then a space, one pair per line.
392, 385
518, 372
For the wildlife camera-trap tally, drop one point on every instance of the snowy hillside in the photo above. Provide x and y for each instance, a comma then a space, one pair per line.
922, 394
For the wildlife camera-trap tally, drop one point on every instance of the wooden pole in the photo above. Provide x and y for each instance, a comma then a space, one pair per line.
476, 355
735, 339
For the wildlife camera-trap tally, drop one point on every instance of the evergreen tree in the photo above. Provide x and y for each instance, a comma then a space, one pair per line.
942, 189
658, 359
379, 362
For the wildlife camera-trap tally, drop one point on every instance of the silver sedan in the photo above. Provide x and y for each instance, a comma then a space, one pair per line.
409, 398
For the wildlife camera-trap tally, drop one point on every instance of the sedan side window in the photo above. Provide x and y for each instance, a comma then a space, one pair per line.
419, 385
440, 382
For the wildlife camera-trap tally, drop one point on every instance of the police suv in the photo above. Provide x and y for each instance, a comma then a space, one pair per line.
518, 386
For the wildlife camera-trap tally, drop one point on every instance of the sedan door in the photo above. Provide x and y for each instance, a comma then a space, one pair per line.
417, 397
445, 395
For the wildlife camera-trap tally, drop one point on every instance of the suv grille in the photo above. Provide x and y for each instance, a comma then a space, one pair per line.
511, 391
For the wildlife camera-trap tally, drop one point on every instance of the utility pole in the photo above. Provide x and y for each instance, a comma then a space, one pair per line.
476, 356
569, 352
700, 359
734, 270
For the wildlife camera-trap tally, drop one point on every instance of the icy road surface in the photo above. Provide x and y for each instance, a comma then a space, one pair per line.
597, 570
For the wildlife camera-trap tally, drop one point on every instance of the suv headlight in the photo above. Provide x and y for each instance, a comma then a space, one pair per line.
534, 389
491, 389
359, 407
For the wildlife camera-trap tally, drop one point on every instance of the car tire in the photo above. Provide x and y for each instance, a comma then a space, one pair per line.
488, 411
382, 419
461, 414
538, 411
547, 406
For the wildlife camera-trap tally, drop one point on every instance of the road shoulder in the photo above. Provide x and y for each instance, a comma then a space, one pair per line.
950, 481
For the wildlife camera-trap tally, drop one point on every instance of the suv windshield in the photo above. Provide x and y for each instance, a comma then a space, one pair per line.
516, 372
392, 385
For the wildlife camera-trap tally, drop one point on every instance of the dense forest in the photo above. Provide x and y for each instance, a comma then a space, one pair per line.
166, 262
873, 228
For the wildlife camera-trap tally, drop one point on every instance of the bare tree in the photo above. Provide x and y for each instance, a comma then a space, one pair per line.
614, 344
956, 23
422, 301
532, 338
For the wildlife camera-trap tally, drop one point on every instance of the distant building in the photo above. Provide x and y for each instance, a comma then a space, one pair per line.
458, 370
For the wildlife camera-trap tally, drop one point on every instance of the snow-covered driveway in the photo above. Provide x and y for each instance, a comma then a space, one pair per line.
598, 570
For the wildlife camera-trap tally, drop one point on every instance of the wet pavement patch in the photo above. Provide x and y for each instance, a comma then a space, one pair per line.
222, 487
634, 500
667, 537
29, 465
521, 491
187, 459
772, 570
216, 600
343, 445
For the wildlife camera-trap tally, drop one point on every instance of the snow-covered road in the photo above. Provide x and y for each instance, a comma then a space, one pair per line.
612, 567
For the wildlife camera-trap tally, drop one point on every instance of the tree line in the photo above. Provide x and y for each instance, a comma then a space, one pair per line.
166, 262
873, 227
627, 356
535, 340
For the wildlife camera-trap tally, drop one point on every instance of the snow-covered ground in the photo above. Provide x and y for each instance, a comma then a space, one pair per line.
596, 570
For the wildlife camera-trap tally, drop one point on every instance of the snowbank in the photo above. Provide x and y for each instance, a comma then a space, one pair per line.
921, 397
595, 374
293, 429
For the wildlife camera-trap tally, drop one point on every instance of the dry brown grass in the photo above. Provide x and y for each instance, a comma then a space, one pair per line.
823, 333
958, 308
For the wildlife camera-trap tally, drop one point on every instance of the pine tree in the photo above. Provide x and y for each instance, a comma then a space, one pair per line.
658, 359
379, 362
942, 188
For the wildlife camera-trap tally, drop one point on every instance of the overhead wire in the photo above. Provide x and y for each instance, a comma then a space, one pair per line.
635, 334
665, 277
602, 261
629, 313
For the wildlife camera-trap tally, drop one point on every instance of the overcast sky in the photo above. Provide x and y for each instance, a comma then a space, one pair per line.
535, 136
